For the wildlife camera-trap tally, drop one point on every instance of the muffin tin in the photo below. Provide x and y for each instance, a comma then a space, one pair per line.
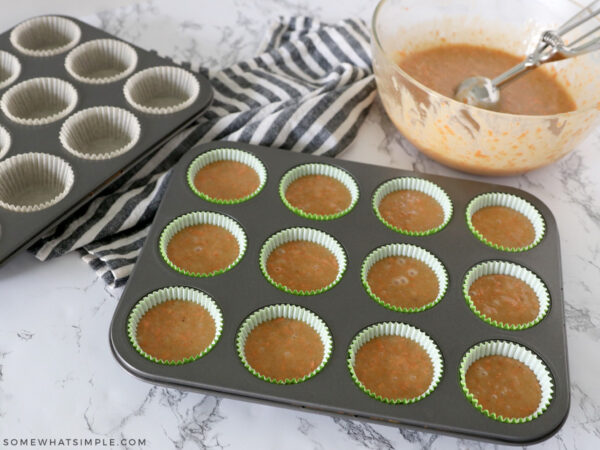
76, 115
347, 309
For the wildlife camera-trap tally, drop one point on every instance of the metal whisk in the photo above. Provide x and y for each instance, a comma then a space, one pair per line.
485, 93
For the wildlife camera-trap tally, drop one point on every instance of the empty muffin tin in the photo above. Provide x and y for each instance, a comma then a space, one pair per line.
346, 308
53, 70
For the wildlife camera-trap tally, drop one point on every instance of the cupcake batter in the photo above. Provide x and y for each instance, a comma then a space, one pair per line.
443, 67
302, 266
504, 226
411, 210
203, 249
394, 367
504, 386
227, 180
284, 349
403, 282
318, 194
505, 298
175, 329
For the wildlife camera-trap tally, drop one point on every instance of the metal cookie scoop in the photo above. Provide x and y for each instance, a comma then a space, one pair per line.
485, 93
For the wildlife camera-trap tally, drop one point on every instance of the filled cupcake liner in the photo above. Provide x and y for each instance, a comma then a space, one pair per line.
508, 201
303, 234
515, 351
10, 69
413, 184
33, 36
100, 123
200, 218
24, 99
319, 169
18, 173
406, 331
142, 88
226, 154
286, 311
5, 142
507, 268
101, 61
174, 293
410, 251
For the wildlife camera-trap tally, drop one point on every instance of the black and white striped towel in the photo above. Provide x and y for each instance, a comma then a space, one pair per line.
308, 90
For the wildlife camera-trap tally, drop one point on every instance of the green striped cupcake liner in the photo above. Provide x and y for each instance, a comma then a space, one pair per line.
201, 218
319, 169
410, 251
302, 234
406, 331
515, 351
413, 184
508, 201
226, 154
514, 270
289, 312
173, 293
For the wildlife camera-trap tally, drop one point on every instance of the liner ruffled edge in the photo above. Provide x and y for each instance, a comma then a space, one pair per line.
288, 311
54, 21
14, 67
5, 141
174, 293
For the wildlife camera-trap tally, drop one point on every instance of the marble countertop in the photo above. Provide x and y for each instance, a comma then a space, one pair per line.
59, 379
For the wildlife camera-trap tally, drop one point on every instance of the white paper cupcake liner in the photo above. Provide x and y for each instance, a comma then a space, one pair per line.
413, 184
10, 69
515, 351
39, 101
5, 142
161, 90
200, 218
514, 270
101, 132
174, 293
226, 154
101, 61
289, 312
45, 36
406, 331
508, 201
34, 181
410, 251
303, 234
319, 169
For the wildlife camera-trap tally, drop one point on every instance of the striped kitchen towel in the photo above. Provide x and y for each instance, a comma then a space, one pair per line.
308, 90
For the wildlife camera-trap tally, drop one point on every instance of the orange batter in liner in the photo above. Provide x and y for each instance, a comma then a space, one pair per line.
318, 194
227, 180
411, 210
504, 226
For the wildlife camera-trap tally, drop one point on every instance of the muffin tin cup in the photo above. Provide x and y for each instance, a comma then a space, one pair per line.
174, 293
515, 351
10, 69
146, 90
319, 169
303, 234
514, 270
202, 218
406, 331
226, 154
409, 251
101, 132
5, 142
101, 61
413, 184
289, 312
18, 173
508, 201
22, 101
45, 36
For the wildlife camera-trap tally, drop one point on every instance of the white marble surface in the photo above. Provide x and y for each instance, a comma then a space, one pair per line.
58, 377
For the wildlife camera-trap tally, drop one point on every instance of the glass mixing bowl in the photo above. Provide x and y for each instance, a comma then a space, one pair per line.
462, 136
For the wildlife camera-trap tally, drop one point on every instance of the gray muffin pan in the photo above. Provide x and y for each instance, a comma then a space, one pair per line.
347, 308
19, 229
